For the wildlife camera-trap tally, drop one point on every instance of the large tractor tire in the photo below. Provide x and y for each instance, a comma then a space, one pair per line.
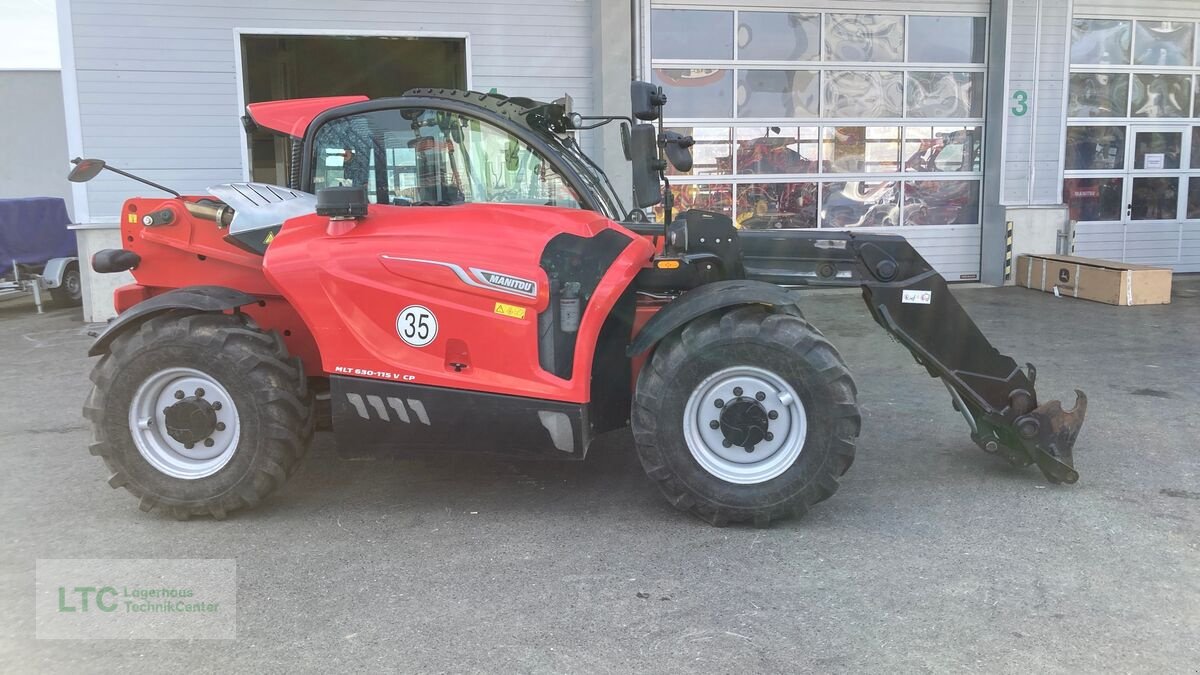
746, 415
199, 414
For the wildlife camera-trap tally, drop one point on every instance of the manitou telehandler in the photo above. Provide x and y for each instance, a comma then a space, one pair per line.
447, 270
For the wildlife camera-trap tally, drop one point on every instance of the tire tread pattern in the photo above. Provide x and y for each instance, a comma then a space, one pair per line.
279, 388
754, 323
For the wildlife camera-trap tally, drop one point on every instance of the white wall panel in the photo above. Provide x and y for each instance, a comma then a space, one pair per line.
158, 93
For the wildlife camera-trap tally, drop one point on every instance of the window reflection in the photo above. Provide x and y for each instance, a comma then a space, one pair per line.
772, 36
848, 120
860, 149
945, 94
1100, 41
1095, 148
1098, 95
778, 93
697, 92
864, 37
717, 197
1093, 198
775, 206
946, 39
712, 152
1193, 198
1163, 43
942, 148
691, 34
1161, 95
767, 150
863, 93
860, 204
1196, 145
1154, 198
1155, 150
944, 202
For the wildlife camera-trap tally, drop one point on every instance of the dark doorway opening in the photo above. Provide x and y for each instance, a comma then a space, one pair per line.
277, 67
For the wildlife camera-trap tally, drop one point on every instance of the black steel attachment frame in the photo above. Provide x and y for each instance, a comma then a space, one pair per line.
910, 300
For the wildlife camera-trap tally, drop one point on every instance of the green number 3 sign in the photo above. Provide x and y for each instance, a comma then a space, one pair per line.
1021, 99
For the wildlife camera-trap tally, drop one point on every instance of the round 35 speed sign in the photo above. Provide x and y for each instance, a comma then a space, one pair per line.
416, 325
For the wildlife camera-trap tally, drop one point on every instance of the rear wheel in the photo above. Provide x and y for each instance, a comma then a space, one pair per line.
199, 413
749, 415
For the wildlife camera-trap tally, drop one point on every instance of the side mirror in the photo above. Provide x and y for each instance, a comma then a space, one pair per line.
678, 149
643, 148
647, 100
85, 169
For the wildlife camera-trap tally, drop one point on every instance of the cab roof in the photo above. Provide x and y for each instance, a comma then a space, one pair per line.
292, 116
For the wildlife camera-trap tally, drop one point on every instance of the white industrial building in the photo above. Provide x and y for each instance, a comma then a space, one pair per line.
955, 121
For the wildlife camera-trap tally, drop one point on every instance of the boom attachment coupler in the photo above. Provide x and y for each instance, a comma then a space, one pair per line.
997, 398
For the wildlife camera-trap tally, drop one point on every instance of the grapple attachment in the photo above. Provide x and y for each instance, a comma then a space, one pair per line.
913, 302
1048, 435
910, 300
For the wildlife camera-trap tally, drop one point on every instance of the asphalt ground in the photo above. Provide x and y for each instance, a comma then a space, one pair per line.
932, 557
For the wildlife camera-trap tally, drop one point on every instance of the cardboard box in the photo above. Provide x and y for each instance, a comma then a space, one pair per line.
1092, 279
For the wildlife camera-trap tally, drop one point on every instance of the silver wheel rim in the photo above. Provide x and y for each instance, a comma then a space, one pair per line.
147, 422
768, 458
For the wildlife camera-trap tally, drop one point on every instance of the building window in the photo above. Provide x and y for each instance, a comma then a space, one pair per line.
1132, 140
806, 119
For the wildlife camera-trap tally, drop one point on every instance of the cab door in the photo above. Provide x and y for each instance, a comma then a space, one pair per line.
443, 301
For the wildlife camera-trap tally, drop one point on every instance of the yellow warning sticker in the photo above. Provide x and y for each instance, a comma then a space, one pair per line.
510, 310
132, 219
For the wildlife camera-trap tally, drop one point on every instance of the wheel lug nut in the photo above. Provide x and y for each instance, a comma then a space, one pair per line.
179, 393
719, 403
199, 393
761, 396
749, 448
727, 443
216, 405
189, 446
220, 426
714, 425
770, 436
737, 391
773, 415
208, 442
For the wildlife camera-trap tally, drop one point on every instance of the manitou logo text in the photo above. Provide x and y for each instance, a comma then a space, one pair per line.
505, 282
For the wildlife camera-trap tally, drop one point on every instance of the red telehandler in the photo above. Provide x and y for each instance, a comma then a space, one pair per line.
447, 270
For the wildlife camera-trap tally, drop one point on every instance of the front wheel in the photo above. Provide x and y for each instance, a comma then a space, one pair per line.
199, 413
746, 415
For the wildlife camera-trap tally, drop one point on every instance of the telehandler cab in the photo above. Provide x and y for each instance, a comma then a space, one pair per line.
447, 270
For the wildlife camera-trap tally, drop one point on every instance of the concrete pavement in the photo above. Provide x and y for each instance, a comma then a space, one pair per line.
932, 557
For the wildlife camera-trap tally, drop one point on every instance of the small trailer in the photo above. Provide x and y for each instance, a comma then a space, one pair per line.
37, 251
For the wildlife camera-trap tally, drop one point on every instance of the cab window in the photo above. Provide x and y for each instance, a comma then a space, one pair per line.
410, 156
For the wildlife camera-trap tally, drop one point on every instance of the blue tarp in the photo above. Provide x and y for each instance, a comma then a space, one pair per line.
34, 230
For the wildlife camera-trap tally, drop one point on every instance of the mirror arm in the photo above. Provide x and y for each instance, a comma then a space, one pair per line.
668, 197
668, 203
601, 120
133, 177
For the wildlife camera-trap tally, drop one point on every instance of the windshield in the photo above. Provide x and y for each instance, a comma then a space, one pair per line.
413, 156
591, 172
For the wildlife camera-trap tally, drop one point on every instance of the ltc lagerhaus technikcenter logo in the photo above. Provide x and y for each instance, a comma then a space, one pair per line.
125, 599
136, 599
